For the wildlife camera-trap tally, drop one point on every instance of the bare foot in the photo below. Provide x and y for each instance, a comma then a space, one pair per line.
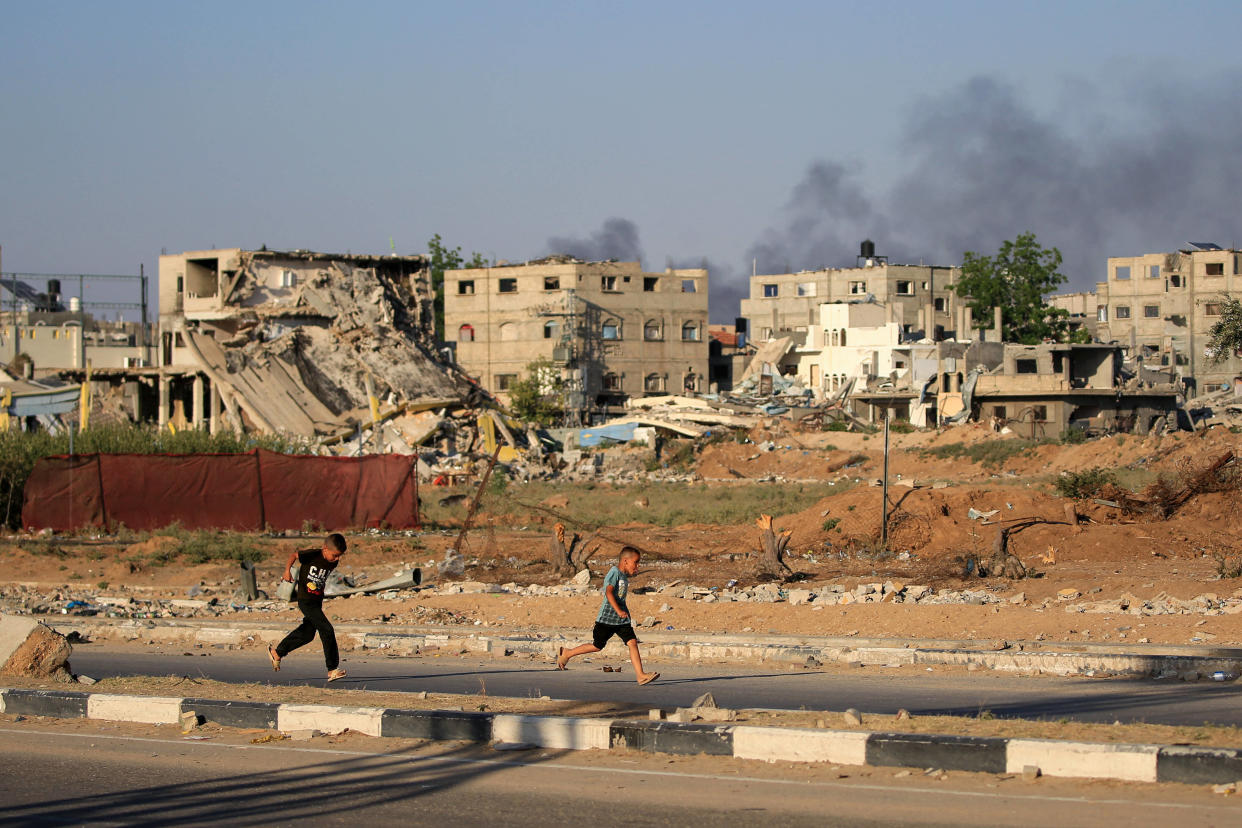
338, 673
648, 678
560, 658
274, 656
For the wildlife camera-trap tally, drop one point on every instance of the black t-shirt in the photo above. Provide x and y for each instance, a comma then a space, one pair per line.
313, 574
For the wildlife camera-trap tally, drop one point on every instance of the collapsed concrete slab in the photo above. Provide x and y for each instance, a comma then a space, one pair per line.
29, 648
300, 342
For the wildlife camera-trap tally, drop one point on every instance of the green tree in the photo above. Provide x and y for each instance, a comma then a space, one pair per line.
1016, 280
1225, 335
539, 396
445, 258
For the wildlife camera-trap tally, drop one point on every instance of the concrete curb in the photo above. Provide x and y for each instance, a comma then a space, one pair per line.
1052, 658
1123, 762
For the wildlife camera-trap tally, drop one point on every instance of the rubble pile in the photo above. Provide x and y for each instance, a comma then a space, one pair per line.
1163, 604
309, 358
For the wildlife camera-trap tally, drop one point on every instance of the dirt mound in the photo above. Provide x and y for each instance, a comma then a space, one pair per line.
929, 522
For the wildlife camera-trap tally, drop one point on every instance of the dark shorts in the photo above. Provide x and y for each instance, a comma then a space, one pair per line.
603, 632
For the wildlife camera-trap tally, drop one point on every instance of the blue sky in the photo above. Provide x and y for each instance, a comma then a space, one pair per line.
727, 132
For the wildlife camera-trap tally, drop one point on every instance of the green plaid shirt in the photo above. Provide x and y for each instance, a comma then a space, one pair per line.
607, 615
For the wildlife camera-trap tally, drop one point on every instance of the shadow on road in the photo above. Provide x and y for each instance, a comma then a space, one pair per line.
1130, 696
307, 792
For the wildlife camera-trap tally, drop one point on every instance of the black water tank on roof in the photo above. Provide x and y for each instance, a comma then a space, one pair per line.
867, 249
739, 324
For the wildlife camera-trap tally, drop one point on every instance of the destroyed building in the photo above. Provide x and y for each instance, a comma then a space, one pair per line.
1038, 391
614, 331
296, 342
1043, 390
928, 384
728, 354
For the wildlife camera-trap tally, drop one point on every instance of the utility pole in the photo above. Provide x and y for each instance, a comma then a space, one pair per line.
884, 509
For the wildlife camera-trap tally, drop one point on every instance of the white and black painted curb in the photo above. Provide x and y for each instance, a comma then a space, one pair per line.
1132, 763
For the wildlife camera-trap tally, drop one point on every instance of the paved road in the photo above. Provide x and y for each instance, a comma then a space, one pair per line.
870, 689
88, 774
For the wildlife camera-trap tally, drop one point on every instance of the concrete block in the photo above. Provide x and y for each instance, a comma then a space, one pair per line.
553, 731
64, 704
440, 725
1198, 765
14, 630
1134, 763
220, 635
783, 744
672, 737
917, 750
28, 648
885, 655
329, 718
234, 713
146, 709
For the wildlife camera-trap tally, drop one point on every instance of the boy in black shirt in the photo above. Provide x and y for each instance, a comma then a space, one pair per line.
312, 576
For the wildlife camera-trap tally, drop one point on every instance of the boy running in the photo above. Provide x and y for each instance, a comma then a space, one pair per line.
312, 577
614, 618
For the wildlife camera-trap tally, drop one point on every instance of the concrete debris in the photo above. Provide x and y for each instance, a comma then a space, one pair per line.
29, 648
408, 579
852, 717
308, 344
705, 700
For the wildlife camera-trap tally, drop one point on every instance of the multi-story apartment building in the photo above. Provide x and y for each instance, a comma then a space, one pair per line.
615, 330
788, 303
1160, 307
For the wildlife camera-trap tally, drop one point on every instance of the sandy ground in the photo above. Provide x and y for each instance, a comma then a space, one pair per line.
1108, 554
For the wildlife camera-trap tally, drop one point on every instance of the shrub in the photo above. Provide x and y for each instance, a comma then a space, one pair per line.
988, 453
837, 425
1073, 436
901, 427
202, 547
831, 523
1085, 484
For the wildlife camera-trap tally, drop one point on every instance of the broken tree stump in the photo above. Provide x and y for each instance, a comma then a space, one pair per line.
568, 553
772, 550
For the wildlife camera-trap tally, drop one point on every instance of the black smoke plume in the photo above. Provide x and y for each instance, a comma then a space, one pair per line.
617, 239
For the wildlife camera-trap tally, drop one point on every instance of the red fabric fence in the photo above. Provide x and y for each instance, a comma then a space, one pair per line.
252, 491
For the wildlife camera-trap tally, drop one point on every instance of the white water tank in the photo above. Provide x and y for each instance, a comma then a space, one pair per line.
75, 304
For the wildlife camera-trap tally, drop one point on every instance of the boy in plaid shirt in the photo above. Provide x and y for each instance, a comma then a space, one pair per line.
614, 618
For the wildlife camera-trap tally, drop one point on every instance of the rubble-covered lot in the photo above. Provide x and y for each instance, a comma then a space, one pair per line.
1112, 576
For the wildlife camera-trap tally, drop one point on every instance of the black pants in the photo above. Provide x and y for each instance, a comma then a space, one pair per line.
313, 621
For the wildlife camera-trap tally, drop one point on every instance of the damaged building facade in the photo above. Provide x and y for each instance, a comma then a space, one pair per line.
1038, 391
788, 303
1043, 390
615, 331
1160, 307
296, 342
